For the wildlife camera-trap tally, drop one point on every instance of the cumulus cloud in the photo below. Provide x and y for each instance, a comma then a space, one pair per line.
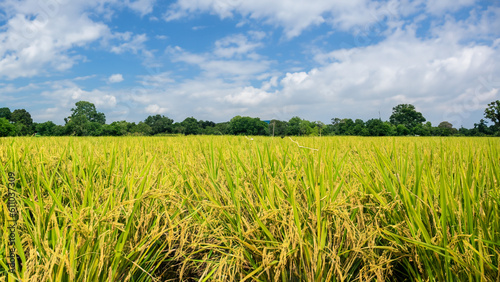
115, 78
438, 7
133, 43
220, 64
38, 36
30, 44
156, 80
155, 109
68, 94
248, 96
235, 45
294, 16
143, 7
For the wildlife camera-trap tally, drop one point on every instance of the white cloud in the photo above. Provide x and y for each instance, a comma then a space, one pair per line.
143, 7
157, 80
214, 66
28, 45
64, 94
155, 109
235, 45
248, 96
294, 16
441, 6
133, 44
267, 85
482, 25
38, 36
115, 78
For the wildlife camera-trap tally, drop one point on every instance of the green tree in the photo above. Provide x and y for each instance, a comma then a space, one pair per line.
446, 129
462, 131
278, 126
305, 127
248, 126
141, 129
376, 127
5, 113
405, 114
85, 120
346, 127
293, 127
23, 121
88, 111
493, 113
360, 128
159, 124
121, 127
423, 129
402, 130
77, 126
335, 126
318, 127
204, 124
94, 128
481, 128
222, 128
46, 129
328, 130
191, 126
6, 128
60, 130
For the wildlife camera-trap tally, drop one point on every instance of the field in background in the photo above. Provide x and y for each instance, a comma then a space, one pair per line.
226, 208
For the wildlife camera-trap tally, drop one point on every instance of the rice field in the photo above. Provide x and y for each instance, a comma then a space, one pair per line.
227, 208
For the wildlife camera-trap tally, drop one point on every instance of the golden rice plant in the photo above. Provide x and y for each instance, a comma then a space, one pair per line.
227, 208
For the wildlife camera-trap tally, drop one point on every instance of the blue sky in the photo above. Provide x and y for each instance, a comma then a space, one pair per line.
215, 59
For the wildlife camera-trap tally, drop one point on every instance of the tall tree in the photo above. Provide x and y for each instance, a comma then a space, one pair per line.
481, 128
88, 111
346, 127
278, 126
205, 124
21, 116
85, 120
5, 113
141, 129
360, 128
46, 129
376, 127
405, 114
402, 130
446, 129
78, 126
319, 125
293, 127
248, 126
191, 126
6, 128
23, 121
493, 113
305, 127
118, 128
159, 124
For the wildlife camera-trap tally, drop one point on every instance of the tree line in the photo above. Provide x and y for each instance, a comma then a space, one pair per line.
85, 120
